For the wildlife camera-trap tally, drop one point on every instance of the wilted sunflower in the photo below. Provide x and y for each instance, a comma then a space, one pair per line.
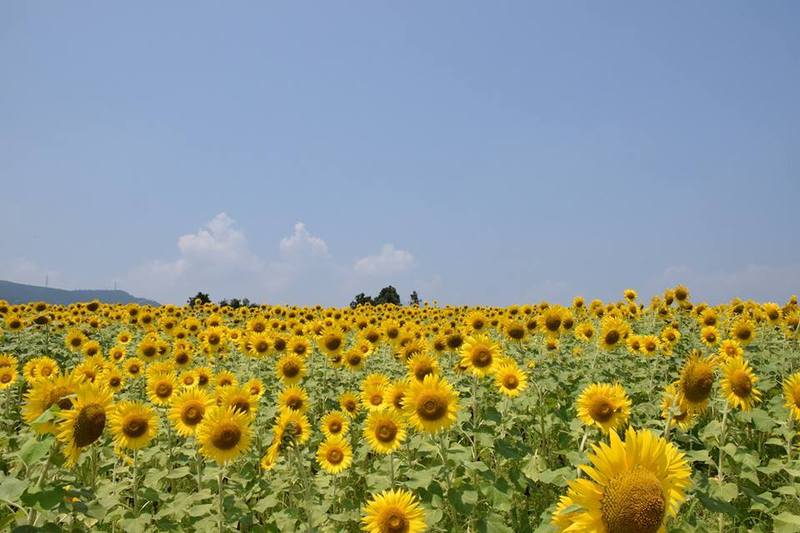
223, 434
334, 455
509, 379
133, 424
160, 388
791, 394
695, 383
604, 405
738, 384
189, 406
431, 405
290, 368
82, 425
293, 398
633, 486
393, 511
384, 430
335, 424
479, 355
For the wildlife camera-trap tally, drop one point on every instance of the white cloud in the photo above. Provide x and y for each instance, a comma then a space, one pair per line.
390, 260
302, 243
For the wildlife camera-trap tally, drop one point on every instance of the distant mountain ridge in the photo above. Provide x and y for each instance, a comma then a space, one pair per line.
19, 293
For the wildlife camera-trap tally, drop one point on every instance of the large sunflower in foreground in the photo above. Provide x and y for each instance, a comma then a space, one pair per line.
393, 511
480, 354
188, 409
334, 455
431, 405
633, 486
43, 395
133, 424
738, 384
223, 434
82, 425
603, 405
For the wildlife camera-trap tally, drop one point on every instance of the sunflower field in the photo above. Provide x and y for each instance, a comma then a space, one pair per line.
617, 417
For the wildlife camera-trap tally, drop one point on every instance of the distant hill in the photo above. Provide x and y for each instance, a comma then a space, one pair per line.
18, 293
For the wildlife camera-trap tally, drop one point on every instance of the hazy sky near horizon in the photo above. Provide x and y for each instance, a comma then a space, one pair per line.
493, 152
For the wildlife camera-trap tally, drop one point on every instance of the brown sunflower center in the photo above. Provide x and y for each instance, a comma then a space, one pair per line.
333, 343
226, 437
134, 427
241, 405
149, 351
612, 337
633, 502
697, 384
386, 431
552, 323
290, 369
5, 378
89, 424
510, 381
192, 414
115, 381
395, 522
182, 358
334, 456
516, 332
376, 398
295, 402
431, 408
741, 385
601, 410
163, 390
422, 370
335, 426
481, 357
262, 346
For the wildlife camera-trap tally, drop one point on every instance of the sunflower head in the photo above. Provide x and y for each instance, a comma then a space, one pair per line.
431, 405
696, 381
480, 354
335, 455
133, 424
393, 511
384, 430
604, 405
738, 384
223, 434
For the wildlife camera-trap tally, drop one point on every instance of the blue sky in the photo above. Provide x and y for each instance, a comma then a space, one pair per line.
492, 153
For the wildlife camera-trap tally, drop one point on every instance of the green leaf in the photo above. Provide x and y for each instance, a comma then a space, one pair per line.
787, 523
762, 420
266, 503
45, 499
33, 450
12, 488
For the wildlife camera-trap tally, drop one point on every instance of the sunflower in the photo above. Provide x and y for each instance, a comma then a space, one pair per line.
8, 376
225, 378
331, 340
348, 401
649, 344
204, 376
373, 397
738, 384
148, 348
396, 394
584, 331
91, 348
256, 388
479, 354
550, 321
160, 388
421, 365
74, 340
258, 344
509, 379
82, 425
695, 383
124, 337
239, 399
514, 330
393, 511
334, 424
633, 486
290, 369
113, 378
791, 394
134, 367
603, 405
223, 434
670, 335
709, 335
670, 407
384, 430
431, 405
612, 331
133, 424
293, 425
43, 395
334, 455
293, 398
189, 406
298, 346
730, 348
354, 358
743, 330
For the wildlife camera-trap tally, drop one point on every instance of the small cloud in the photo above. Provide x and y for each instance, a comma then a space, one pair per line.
389, 261
302, 243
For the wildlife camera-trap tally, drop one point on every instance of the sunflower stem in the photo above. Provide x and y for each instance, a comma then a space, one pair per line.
669, 419
391, 470
789, 438
135, 486
719, 463
220, 501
